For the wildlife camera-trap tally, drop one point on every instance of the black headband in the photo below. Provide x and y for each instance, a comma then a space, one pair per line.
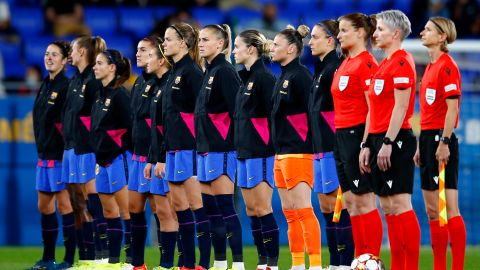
110, 57
438, 26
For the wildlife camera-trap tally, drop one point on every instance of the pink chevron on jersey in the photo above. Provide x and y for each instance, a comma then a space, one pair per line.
139, 158
160, 129
261, 125
188, 119
149, 122
116, 135
222, 122
59, 128
87, 121
329, 118
300, 124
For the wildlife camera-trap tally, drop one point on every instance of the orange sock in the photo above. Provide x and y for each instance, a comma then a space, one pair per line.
311, 235
295, 237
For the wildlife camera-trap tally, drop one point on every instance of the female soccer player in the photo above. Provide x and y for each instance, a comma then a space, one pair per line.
291, 136
214, 130
181, 45
439, 106
111, 140
349, 90
142, 94
390, 138
323, 44
79, 159
254, 144
47, 129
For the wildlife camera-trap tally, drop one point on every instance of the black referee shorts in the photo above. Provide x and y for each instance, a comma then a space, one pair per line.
346, 152
429, 140
399, 178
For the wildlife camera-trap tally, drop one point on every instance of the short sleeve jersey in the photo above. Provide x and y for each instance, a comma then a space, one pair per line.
440, 81
396, 72
349, 85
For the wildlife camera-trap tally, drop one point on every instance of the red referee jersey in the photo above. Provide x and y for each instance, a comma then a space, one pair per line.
349, 84
440, 81
398, 72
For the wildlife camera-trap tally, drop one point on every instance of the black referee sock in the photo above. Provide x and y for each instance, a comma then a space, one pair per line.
168, 249
331, 234
88, 240
69, 237
202, 226
345, 238
49, 236
186, 224
258, 239
139, 236
127, 231
217, 227
232, 224
115, 237
270, 234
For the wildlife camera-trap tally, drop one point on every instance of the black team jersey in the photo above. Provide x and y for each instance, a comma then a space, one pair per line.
111, 124
290, 131
320, 104
141, 98
253, 111
47, 111
215, 107
77, 111
157, 129
178, 104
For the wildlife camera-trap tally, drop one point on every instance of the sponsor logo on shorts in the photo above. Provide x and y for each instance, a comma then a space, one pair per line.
114, 182
72, 174
83, 174
180, 171
399, 143
435, 178
211, 171
59, 182
229, 235
267, 240
390, 183
328, 182
355, 182
251, 177
143, 184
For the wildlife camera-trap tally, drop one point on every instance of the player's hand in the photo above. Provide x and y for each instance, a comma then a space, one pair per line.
383, 157
147, 171
159, 170
364, 160
442, 154
416, 157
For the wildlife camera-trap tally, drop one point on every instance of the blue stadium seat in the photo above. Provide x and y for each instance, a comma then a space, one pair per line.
242, 16
313, 17
372, 6
102, 21
35, 48
403, 5
206, 16
136, 21
292, 17
28, 21
339, 7
124, 44
159, 13
12, 54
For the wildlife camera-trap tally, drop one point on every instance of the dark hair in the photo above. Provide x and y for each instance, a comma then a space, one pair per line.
157, 41
93, 44
121, 63
360, 20
189, 34
223, 32
256, 39
64, 47
296, 36
330, 27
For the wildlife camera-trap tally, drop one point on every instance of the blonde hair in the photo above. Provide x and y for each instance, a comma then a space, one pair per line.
258, 40
447, 27
223, 32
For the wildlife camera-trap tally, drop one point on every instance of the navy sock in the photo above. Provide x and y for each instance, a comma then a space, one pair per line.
95, 208
180, 261
331, 233
139, 236
159, 236
82, 251
115, 237
258, 239
69, 237
217, 227
127, 231
168, 249
345, 239
232, 224
49, 235
270, 235
186, 224
88, 240
202, 226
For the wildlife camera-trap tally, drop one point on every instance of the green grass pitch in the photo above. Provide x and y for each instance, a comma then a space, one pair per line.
13, 258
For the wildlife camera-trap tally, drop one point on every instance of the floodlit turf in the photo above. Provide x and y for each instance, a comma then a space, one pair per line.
13, 258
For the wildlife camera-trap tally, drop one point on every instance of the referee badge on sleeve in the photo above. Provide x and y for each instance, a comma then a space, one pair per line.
430, 95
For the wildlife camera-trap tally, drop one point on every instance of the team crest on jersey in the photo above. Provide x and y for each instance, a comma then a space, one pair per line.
285, 84
147, 88
378, 86
250, 86
430, 95
343, 82
178, 79
53, 96
107, 102
210, 80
